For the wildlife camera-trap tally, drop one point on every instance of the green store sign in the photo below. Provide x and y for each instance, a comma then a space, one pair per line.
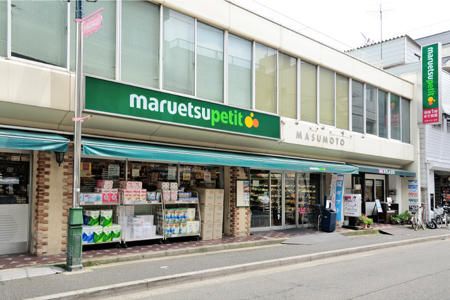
430, 84
112, 97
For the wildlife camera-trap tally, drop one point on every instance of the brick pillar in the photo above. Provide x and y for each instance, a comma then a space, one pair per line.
41, 203
239, 217
67, 194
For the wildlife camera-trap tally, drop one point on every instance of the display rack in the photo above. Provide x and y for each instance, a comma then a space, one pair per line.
99, 206
154, 206
165, 225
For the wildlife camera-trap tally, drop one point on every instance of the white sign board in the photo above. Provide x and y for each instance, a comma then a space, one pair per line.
242, 193
352, 205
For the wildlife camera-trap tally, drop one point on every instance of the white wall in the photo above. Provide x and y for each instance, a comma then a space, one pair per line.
239, 21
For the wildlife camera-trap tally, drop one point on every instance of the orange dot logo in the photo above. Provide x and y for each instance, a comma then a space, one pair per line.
250, 121
430, 101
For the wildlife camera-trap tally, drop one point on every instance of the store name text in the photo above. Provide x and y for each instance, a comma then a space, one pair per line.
319, 138
229, 117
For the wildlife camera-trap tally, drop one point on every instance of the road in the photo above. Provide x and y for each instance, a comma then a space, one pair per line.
419, 271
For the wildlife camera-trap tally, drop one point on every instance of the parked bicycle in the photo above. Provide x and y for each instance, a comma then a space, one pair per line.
417, 219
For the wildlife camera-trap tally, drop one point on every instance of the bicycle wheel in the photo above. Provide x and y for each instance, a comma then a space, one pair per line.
431, 225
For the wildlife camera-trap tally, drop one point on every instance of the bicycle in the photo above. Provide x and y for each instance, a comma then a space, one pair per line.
417, 219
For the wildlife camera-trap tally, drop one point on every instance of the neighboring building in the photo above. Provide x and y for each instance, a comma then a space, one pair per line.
202, 93
434, 139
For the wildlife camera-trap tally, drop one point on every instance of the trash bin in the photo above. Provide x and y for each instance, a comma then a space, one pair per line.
328, 221
74, 243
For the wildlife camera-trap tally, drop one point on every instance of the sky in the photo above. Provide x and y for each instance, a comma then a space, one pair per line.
347, 24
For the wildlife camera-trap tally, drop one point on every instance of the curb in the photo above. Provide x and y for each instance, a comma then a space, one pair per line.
134, 286
176, 252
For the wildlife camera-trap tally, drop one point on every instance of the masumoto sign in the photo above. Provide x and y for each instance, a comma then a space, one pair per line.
430, 84
111, 97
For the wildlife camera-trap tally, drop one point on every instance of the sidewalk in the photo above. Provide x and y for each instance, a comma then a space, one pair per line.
297, 248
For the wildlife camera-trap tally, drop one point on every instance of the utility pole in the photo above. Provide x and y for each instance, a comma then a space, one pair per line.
75, 222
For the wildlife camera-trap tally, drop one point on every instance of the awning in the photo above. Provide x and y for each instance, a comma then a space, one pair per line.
157, 153
385, 171
27, 140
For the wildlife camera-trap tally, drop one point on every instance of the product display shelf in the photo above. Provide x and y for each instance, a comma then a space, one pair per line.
151, 205
99, 206
181, 204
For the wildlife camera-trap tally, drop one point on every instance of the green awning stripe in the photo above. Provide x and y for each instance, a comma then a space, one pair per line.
157, 153
25, 140
385, 171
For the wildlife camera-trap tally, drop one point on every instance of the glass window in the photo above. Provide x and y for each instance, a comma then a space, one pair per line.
239, 72
382, 114
100, 47
395, 117
140, 43
308, 89
406, 121
2, 28
38, 31
357, 106
209, 62
266, 78
178, 51
371, 109
342, 108
326, 94
288, 86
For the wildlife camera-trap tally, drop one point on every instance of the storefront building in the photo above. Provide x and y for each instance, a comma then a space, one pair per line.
433, 163
198, 100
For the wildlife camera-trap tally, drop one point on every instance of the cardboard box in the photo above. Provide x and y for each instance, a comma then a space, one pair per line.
110, 198
90, 198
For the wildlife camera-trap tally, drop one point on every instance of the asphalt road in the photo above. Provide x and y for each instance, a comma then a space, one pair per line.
419, 271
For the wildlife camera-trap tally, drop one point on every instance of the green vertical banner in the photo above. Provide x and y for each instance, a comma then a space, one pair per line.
430, 83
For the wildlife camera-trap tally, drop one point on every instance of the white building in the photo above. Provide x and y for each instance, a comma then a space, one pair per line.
401, 56
255, 101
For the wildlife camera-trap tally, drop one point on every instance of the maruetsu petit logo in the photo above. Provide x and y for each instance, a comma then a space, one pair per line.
230, 117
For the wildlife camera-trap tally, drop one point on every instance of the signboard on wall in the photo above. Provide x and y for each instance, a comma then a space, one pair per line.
242, 193
413, 195
339, 196
352, 205
431, 68
116, 98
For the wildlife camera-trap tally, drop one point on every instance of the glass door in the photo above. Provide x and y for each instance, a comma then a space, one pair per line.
308, 197
290, 195
369, 191
379, 190
260, 198
276, 198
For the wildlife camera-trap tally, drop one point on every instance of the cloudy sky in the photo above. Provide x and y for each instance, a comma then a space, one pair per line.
346, 24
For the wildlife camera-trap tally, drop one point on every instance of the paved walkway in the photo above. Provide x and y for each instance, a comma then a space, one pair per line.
104, 251
312, 243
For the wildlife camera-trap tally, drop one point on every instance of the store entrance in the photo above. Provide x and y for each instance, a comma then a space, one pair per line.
283, 199
14, 202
